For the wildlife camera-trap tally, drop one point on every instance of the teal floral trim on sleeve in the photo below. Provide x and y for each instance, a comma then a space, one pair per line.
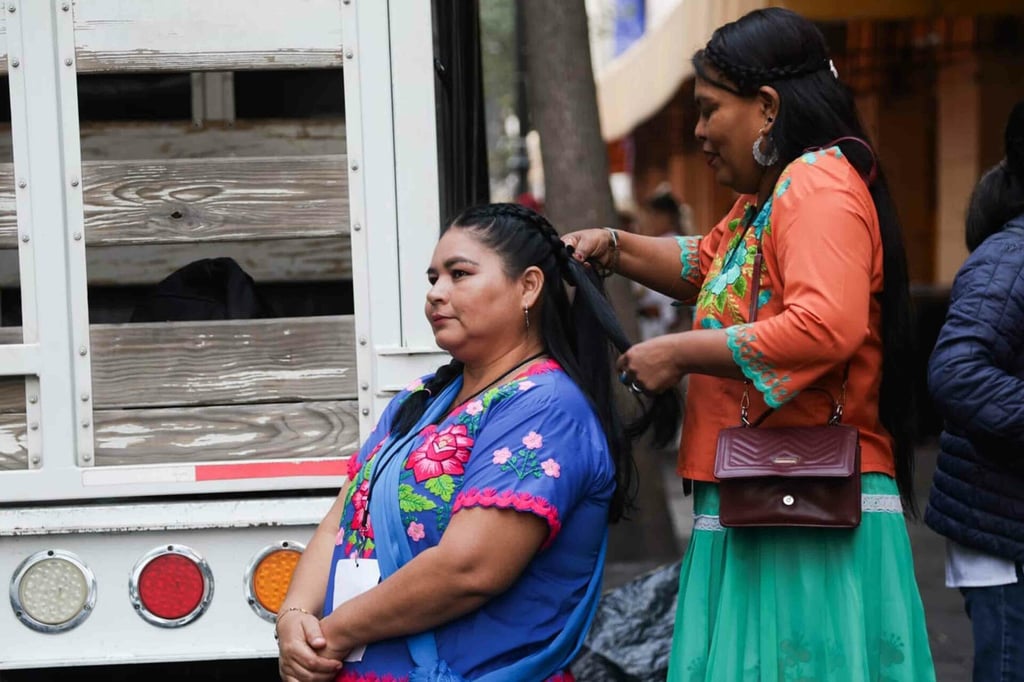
771, 384
689, 256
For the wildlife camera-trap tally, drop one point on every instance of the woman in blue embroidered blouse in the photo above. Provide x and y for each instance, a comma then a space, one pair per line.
484, 492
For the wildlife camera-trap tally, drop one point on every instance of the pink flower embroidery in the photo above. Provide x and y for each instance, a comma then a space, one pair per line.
353, 467
526, 385
551, 468
340, 537
442, 452
533, 440
501, 456
361, 515
415, 386
415, 531
475, 408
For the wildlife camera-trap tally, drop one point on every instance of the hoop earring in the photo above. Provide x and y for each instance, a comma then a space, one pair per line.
526, 314
762, 159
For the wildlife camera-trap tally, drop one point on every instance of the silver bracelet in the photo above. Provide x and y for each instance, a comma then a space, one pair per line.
614, 263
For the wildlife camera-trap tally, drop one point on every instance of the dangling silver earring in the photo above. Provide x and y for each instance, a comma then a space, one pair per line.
762, 159
526, 314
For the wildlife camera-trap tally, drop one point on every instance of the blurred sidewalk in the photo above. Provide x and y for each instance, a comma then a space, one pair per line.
660, 530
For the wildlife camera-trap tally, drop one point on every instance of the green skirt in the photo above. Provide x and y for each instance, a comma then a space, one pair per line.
801, 605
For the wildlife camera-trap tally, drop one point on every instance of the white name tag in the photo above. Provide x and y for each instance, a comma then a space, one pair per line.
352, 577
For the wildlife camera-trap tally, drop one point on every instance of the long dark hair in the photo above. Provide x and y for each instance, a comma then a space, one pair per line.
581, 333
999, 195
782, 49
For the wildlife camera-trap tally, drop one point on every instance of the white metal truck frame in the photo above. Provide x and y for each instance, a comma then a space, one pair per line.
104, 517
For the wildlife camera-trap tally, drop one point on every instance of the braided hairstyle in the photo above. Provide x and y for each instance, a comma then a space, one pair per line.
779, 48
580, 332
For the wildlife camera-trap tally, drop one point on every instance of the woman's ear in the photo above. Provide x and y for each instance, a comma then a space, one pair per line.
768, 100
532, 282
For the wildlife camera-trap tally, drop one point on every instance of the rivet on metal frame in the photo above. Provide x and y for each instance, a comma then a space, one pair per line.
365, 411
36, 459
74, 182
85, 397
68, 61
83, 351
34, 426
357, 226
11, 8
25, 238
15, 63
86, 457
22, 184
78, 236
349, 54
355, 165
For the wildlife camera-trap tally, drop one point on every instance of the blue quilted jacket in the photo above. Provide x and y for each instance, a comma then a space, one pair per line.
976, 378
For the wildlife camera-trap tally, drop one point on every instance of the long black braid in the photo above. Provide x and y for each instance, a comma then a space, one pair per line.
580, 332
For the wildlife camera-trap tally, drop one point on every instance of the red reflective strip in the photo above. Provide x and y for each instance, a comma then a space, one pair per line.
223, 472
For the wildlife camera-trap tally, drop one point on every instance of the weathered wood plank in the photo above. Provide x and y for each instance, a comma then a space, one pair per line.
3, 42
197, 35
208, 434
12, 389
130, 202
13, 441
124, 140
221, 362
12, 394
186, 200
284, 260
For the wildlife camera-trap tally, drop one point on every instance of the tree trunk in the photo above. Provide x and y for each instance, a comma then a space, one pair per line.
577, 194
563, 110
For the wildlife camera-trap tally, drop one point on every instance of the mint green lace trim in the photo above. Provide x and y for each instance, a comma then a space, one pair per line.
689, 256
751, 362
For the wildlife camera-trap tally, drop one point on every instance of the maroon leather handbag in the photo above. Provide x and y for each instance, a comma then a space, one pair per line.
790, 476
804, 476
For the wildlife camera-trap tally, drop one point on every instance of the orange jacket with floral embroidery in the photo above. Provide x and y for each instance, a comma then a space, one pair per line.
818, 308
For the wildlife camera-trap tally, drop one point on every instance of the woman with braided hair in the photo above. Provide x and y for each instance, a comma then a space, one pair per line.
482, 498
801, 286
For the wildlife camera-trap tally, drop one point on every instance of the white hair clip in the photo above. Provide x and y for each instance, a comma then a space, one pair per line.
833, 69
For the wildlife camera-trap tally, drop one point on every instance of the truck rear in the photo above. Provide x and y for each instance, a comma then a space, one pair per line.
160, 472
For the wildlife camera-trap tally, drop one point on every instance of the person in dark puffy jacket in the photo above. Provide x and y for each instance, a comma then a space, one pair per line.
976, 378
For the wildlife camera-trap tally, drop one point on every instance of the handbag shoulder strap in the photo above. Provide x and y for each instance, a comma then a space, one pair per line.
755, 292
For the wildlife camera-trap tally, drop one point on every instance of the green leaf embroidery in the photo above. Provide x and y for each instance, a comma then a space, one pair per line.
740, 285
721, 299
443, 486
408, 501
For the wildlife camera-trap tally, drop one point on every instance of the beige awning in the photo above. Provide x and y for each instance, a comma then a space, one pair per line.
642, 80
